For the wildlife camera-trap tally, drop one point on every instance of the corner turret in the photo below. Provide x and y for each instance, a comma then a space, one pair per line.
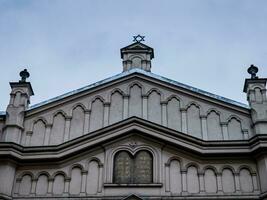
18, 103
255, 88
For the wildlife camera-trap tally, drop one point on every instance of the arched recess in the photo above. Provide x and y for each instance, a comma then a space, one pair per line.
17, 98
193, 120
228, 180
25, 184
258, 95
93, 177
213, 126
38, 135
42, 184
192, 179
154, 106
174, 118
135, 101
58, 127
77, 122
235, 129
76, 180
210, 180
246, 183
97, 114
116, 107
175, 177
131, 169
136, 61
143, 167
59, 183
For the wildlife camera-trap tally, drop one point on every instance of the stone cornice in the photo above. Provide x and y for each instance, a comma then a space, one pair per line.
252, 147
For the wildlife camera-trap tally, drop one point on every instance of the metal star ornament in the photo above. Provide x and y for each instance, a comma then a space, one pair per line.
138, 38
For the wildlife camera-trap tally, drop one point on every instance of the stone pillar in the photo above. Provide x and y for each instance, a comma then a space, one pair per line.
106, 113
7, 176
47, 134
184, 182
225, 131
33, 188
164, 113
245, 134
28, 138
262, 169
100, 179
66, 187
67, 128
125, 106
17, 185
167, 177
184, 120
84, 178
204, 127
201, 183
86, 121
145, 97
237, 182
50, 187
255, 182
219, 183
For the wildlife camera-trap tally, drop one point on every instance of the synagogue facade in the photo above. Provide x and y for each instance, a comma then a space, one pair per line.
136, 135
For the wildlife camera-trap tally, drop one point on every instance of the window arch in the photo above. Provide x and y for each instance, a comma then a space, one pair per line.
129, 169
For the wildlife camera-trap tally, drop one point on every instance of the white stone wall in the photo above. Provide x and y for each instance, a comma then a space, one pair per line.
149, 101
174, 174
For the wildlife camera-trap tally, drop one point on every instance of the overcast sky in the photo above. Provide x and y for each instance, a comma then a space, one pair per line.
67, 44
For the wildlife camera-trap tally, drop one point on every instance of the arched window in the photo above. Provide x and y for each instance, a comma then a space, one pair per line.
133, 169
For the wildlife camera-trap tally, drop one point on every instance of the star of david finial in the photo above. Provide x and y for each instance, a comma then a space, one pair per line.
138, 38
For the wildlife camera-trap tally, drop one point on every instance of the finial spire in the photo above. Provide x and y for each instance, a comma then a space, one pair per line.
138, 38
252, 70
24, 75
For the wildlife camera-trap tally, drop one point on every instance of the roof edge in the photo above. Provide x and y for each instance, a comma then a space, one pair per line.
149, 74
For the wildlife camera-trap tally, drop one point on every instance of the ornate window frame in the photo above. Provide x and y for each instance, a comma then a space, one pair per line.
110, 156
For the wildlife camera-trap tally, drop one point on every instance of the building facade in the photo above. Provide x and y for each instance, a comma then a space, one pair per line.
136, 135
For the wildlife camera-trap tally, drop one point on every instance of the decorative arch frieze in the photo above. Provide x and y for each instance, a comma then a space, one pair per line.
157, 91
76, 165
122, 93
43, 173
174, 158
173, 96
60, 173
137, 83
81, 105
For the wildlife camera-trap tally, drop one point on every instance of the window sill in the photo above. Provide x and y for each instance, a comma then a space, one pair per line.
133, 185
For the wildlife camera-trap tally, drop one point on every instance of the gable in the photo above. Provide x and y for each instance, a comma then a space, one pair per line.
135, 95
